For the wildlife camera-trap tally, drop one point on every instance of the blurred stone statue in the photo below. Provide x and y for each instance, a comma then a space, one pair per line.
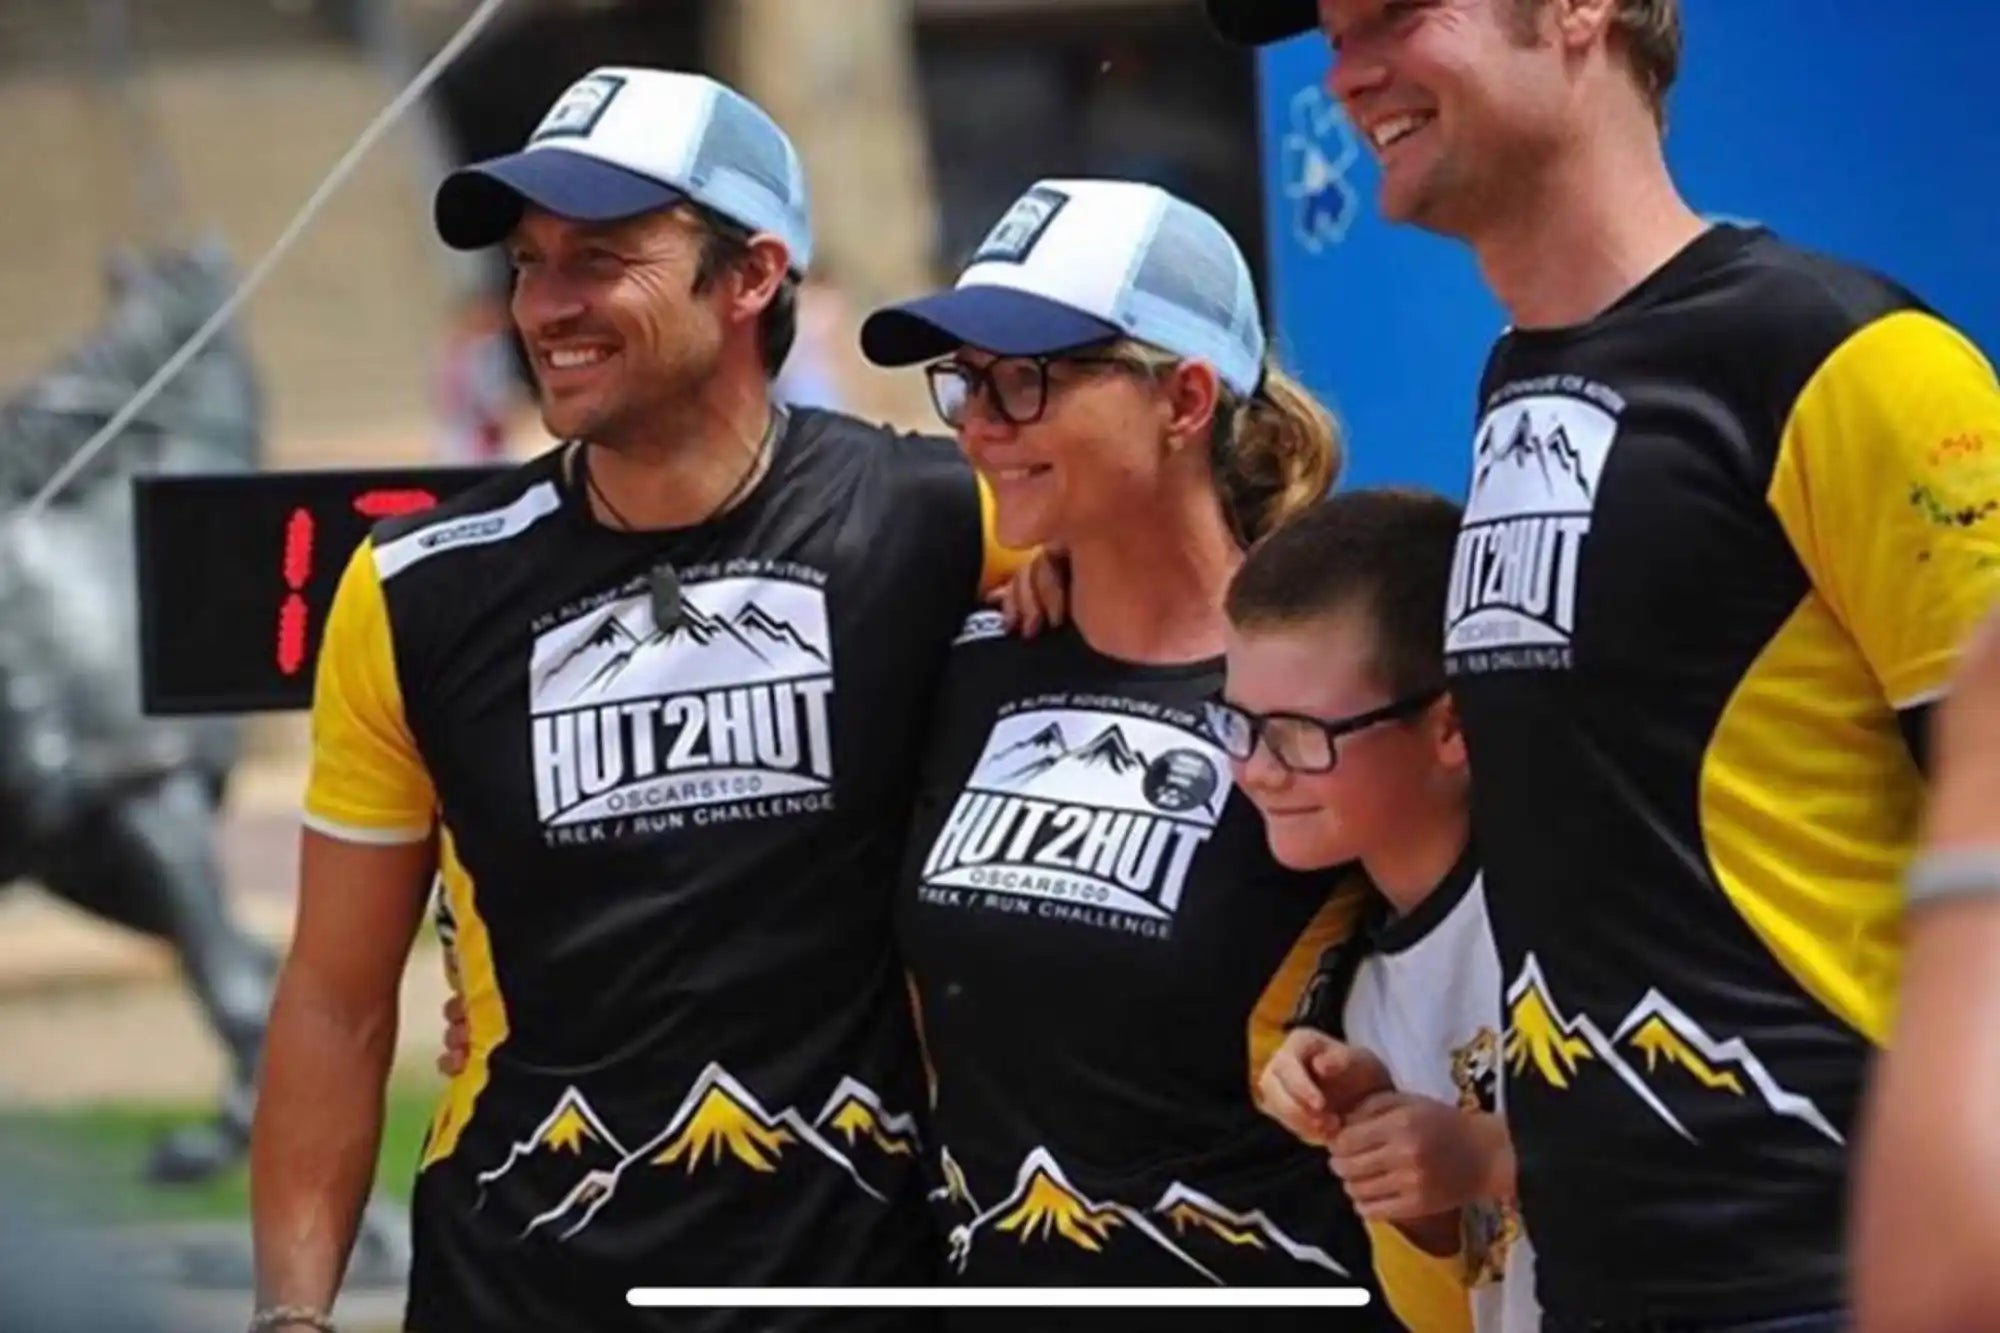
109, 809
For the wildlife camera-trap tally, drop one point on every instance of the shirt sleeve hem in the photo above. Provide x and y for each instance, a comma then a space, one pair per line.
361, 833
1922, 680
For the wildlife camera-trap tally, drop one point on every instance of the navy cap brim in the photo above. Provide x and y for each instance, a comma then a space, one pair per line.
1257, 22
478, 205
999, 320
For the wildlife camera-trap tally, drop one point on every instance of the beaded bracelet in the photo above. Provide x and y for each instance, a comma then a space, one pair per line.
278, 1316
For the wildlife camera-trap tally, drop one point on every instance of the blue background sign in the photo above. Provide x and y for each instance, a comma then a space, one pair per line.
1874, 136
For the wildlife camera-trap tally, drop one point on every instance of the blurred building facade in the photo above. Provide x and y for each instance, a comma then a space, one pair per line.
148, 120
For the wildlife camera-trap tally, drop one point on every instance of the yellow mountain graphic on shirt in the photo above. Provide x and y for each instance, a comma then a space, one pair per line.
1051, 1207
1666, 1032
720, 1125
856, 1113
571, 1128
1659, 1042
1187, 1215
1046, 1208
724, 1127
1535, 1035
1197, 1215
1556, 1045
569, 1132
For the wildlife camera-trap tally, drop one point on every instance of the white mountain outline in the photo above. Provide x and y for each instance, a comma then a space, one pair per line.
1735, 1051
1531, 979
598, 1186
1042, 1162
571, 1100
1255, 1220
900, 1127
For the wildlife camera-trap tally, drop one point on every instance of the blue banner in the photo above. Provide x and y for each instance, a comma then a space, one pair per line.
1868, 131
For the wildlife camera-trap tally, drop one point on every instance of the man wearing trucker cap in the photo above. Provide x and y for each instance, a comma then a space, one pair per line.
1734, 507
649, 707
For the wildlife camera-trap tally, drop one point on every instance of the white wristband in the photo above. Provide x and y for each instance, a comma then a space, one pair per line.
1967, 872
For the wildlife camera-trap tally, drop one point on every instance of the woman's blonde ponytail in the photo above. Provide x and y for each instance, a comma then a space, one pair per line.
1276, 453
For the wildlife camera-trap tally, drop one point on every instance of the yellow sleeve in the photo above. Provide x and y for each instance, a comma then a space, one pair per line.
997, 563
368, 783
1424, 1291
1888, 485
1335, 920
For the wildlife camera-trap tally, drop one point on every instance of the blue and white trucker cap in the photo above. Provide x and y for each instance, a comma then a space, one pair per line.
625, 141
1077, 262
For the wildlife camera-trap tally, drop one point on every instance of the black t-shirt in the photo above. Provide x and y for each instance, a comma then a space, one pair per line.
1714, 540
1104, 951
666, 860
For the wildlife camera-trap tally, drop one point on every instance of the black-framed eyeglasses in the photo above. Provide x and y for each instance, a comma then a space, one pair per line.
1302, 744
1016, 386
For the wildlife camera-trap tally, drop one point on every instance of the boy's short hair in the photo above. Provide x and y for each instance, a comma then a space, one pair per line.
1386, 550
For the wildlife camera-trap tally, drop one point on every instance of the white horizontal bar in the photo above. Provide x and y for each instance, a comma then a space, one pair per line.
958, 1298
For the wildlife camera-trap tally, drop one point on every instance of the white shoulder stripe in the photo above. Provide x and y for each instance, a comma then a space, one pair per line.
372, 837
1921, 698
494, 525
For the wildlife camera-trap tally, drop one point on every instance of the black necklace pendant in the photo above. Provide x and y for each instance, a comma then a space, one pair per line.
664, 585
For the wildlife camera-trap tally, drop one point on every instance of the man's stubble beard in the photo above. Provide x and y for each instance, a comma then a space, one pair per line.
643, 418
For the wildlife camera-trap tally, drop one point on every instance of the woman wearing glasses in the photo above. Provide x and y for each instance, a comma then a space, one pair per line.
1104, 951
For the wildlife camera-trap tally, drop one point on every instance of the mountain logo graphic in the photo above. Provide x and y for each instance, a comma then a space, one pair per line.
1049, 738
1661, 1031
1657, 1041
732, 632
1052, 1209
1188, 1216
1556, 1047
618, 644
1179, 780
857, 1114
1107, 750
568, 1129
718, 1123
1191, 1211
724, 1126
1045, 1208
720, 1120
1524, 448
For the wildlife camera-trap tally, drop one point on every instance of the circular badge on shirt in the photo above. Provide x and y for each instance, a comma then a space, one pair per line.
1181, 780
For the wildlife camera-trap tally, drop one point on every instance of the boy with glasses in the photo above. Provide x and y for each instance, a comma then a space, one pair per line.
1337, 724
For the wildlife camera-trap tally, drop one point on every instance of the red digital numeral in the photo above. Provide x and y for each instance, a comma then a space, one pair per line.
388, 504
296, 565
297, 569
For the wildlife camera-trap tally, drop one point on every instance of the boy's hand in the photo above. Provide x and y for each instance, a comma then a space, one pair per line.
1313, 1081
1404, 1157
1037, 596
457, 1037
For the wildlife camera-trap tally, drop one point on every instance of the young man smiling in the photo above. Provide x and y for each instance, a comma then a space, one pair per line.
1734, 507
